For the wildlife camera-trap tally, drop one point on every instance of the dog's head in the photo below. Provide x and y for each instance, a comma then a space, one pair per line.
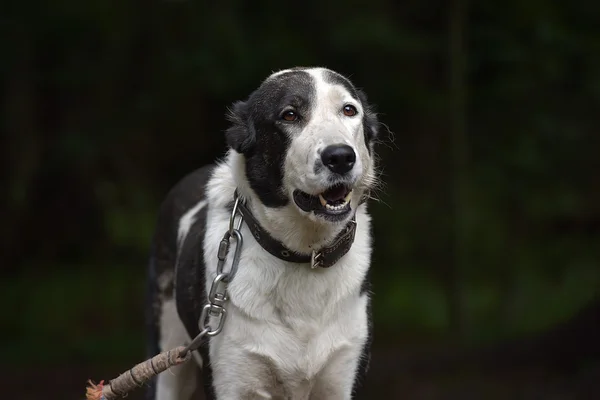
307, 136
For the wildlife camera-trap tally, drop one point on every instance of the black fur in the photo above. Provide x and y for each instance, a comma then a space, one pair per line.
336, 79
365, 357
370, 121
190, 294
259, 132
184, 196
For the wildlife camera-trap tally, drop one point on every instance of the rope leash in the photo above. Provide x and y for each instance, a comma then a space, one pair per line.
141, 373
138, 375
214, 307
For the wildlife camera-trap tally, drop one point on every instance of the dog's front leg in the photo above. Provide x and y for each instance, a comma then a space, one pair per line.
241, 375
336, 380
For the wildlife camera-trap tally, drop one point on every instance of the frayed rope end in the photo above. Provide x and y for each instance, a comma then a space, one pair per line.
93, 391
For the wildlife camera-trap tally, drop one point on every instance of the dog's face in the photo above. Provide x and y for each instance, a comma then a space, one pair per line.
307, 137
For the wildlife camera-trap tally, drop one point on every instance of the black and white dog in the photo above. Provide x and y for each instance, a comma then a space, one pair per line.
298, 326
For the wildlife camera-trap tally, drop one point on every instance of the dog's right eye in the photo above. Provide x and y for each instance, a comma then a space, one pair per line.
289, 115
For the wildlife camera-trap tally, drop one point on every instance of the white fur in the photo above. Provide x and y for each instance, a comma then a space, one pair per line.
291, 332
178, 383
186, 222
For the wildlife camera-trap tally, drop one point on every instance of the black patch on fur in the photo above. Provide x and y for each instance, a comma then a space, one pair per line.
207, 375
241, 135
358, 388
259, 132
191, 295
334, 78
365, 356
370, 121
184, 196
365, 286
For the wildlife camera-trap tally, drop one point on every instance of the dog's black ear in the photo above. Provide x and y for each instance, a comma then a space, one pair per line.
370, 120
240, 136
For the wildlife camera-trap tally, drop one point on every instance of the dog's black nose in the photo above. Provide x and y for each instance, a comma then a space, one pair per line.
339, 158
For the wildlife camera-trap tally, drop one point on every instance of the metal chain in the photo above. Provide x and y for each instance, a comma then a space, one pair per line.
217, 296
215, 307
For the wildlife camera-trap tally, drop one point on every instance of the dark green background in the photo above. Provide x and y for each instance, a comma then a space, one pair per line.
487, 232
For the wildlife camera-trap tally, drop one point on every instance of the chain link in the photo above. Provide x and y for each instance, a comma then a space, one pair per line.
217, 295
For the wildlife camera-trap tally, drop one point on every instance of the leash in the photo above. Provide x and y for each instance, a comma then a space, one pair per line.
214, 307
217, 297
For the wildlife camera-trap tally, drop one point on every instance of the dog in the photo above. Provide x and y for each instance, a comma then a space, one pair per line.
300, 165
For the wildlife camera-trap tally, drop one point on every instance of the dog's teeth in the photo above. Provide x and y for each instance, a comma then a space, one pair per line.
323, 201
336, 208
348, 196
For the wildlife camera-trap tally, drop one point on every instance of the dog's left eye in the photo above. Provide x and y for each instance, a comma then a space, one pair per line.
289, 115
349, 110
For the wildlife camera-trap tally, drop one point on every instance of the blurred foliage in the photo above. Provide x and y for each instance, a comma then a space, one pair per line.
106, 105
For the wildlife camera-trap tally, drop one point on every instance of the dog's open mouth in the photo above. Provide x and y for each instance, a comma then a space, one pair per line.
334, 203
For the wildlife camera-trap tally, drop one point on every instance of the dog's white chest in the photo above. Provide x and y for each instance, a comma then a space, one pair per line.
288, 325
290, 332
289, 347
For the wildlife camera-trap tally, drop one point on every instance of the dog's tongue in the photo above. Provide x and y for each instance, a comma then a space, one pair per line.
336, 193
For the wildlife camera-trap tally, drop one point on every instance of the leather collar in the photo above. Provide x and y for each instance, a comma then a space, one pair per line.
324, 257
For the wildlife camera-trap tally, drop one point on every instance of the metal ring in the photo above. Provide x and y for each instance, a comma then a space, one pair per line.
236, 255
221, 324
220, 279
233, 214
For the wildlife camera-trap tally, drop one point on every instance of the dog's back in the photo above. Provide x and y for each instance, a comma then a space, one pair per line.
178, 216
